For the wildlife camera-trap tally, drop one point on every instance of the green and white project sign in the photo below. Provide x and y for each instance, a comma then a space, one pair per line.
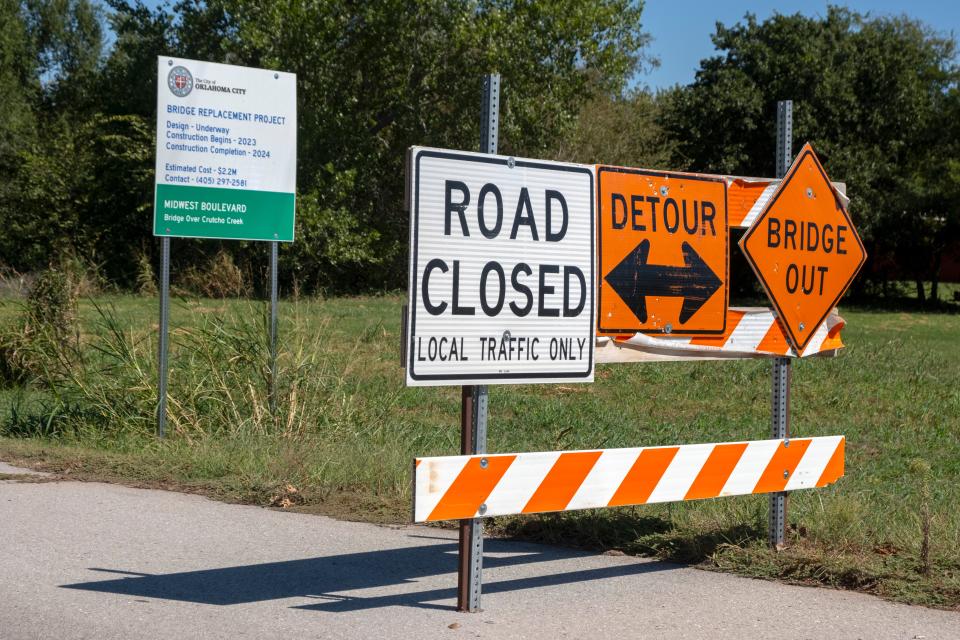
226, 151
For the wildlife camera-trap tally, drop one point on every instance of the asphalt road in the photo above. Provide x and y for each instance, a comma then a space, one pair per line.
87, 560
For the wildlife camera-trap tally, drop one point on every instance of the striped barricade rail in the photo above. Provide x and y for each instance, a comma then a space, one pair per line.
457, 487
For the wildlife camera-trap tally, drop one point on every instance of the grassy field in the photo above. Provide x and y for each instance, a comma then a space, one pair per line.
347, 429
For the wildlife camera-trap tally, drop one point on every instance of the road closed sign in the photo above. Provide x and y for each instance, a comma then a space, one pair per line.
226, 164
663, 252
804, 249
501, 283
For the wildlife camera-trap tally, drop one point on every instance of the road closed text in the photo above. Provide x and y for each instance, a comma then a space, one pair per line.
518, 288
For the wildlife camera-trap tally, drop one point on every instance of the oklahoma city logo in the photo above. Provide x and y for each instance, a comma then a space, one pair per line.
180, 81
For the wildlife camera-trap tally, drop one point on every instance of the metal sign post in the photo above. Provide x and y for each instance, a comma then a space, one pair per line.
473, 407
273, 327
164, 327
781, 369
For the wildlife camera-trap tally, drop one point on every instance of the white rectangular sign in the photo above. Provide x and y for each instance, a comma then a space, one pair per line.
501, 270
226, 151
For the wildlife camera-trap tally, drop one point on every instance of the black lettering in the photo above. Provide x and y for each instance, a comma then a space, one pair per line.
432, 309
690, 226
823, 276
486, 231
653, 200
773, 232
636, 212
501, 291
840, 238
614, 198
457, 309
813, 237
790, 233
803, 277
792, 269
558, 236
827, 238
524, 215
671, 228
450, 206
546, 290
569, 312
708, 217
522, 288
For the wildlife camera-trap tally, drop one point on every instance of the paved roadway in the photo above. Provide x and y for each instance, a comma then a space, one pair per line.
89, 560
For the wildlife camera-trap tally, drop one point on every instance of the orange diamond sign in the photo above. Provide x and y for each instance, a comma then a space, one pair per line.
804, 248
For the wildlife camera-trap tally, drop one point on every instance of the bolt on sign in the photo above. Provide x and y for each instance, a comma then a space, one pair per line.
501, 270
663, 248
804, 249
226, 151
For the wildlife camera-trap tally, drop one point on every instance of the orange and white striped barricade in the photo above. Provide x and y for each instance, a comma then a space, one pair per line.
457, 487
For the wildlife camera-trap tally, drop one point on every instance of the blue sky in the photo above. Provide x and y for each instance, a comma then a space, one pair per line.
681, 29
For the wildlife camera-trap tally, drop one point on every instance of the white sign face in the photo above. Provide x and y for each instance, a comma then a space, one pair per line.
226, 151
501, 270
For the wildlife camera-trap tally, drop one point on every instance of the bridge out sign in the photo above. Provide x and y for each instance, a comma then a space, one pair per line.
226, 151
804, 248
501, 270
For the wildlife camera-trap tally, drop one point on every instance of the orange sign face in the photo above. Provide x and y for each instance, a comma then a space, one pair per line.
804, 248
664, 250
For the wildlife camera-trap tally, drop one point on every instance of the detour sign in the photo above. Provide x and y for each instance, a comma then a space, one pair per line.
804, 248
663, 248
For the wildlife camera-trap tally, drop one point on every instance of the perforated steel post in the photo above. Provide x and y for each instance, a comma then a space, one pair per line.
164, 330
473, 420
781, 369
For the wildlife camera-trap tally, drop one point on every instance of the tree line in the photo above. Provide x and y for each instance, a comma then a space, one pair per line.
877, 96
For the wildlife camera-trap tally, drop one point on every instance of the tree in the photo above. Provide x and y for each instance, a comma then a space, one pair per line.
376, 78
866, 93
619, 129
373, 79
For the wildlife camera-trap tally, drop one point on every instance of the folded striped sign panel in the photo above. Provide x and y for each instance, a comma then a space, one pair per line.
746, 198
456, 487
749, 333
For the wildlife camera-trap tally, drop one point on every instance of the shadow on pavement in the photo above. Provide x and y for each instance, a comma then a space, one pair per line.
326, 577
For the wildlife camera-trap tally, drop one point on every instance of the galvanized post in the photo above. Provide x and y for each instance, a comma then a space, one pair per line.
473, 408
273, 327
781, 370
164, 330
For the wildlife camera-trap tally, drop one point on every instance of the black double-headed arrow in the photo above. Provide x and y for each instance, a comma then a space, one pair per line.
633, 280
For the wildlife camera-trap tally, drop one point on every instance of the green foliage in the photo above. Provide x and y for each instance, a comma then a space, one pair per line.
869, 93
598, 133
373, 79
43, 343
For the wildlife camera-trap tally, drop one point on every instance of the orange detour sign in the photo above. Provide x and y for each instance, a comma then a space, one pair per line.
663, 248
804, 248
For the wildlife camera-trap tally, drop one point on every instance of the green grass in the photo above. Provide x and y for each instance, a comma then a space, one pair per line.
348, 429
